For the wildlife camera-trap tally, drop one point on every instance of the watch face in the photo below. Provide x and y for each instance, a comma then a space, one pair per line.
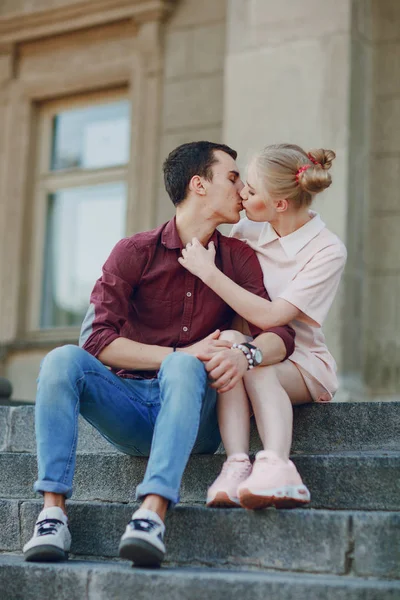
258, 356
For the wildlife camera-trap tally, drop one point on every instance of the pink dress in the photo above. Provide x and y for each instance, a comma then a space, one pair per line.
303, 268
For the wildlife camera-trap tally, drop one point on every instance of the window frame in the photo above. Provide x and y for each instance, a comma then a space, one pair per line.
46, 181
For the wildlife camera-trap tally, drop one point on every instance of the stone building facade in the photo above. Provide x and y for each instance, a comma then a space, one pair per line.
163, 72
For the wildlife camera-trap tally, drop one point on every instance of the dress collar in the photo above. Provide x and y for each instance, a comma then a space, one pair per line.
294, 242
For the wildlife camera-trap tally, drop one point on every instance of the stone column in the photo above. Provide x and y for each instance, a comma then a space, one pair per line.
288, 80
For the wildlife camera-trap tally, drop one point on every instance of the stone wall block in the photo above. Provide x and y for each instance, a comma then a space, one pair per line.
383, 247
207, 49
377, 545
386, 125
194, 102
385, 176
9, 530
387, 68
177, 46
195, 13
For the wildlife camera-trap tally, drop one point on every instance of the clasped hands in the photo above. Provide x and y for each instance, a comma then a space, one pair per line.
225, 365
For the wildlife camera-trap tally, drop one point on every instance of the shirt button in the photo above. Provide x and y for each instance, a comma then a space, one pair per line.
188, 294
185, 329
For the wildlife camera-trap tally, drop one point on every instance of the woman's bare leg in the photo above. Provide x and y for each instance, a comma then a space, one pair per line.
272, 391
234, 410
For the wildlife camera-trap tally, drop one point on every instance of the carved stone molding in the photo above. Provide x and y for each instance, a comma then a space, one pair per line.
20, 27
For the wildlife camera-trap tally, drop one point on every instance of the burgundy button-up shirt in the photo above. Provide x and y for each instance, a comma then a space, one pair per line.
145, 295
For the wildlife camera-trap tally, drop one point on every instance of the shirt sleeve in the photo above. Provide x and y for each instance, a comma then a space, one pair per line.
110, 298
315, 286
249, 276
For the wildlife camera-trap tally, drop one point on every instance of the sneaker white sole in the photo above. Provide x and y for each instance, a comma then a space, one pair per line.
45, 553
288, 496
222, 500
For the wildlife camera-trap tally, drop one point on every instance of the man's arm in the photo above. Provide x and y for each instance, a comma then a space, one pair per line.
108, 312
127, 354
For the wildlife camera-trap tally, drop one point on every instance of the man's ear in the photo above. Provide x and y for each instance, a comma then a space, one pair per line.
281, 205
196, 185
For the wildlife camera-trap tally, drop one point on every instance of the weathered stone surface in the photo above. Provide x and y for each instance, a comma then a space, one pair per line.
317, 428
9, 528
299, 540
367, 481
377, 544
22, 433
4, 412
31, 581
349, 426
349, 480
90, 580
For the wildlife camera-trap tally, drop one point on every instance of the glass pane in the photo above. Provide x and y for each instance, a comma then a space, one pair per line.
83, 225
93, 137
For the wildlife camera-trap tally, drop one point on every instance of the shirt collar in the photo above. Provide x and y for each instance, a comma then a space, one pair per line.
171, 240
294, 242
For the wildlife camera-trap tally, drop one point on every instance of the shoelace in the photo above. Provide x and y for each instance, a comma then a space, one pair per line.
146, 525
48, 526
235, 469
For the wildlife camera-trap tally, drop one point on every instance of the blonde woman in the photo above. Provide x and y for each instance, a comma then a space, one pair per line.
302, 262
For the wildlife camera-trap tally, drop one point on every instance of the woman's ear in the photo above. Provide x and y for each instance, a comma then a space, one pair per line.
281, 205
196, 185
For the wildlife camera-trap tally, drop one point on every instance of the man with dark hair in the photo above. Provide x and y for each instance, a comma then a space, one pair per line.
157, 327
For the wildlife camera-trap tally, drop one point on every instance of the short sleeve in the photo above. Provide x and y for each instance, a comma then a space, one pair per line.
313, 289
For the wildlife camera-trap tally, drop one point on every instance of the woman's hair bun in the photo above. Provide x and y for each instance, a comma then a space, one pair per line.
317, 179
322, 157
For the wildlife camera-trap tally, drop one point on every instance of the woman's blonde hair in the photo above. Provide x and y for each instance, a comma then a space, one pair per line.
287, 171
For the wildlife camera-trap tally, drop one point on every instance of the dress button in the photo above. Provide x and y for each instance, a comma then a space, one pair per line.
185, 329
188, 294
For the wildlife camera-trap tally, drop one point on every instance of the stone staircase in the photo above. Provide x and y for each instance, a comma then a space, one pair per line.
345, 546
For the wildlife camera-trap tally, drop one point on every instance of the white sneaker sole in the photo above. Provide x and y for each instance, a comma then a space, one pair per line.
222, 500
288, 496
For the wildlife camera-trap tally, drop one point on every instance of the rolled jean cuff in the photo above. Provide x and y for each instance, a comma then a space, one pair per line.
42, 486
144, 489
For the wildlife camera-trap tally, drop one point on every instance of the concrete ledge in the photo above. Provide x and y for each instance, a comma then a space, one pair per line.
9, 530
298, 540
78, 580
317, 428
377, 544
346, 481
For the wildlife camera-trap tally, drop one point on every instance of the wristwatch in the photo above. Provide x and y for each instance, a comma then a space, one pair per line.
252, 353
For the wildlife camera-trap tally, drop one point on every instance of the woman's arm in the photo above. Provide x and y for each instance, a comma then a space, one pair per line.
259, 311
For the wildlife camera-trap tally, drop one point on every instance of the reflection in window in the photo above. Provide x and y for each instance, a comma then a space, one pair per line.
93, 137
83, 225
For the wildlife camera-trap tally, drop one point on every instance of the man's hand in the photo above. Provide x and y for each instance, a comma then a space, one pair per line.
226, 368
207, 348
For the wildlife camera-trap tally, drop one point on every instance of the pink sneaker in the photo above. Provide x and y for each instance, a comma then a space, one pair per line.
273, 482
223, 491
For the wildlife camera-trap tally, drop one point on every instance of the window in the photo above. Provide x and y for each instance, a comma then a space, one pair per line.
80, 202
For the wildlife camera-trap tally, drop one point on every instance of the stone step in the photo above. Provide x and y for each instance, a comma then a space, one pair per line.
352, 480
317, 428
95, 580
365, 544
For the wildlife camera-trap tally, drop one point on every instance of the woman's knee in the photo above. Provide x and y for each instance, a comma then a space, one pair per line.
262, 377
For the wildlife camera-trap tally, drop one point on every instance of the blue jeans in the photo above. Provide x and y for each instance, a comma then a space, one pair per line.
165, 418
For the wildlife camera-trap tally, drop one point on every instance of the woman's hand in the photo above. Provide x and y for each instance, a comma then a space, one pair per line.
198, 260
